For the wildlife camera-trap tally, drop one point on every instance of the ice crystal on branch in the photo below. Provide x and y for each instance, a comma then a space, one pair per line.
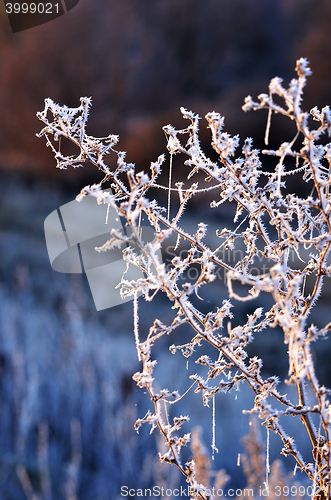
273, 224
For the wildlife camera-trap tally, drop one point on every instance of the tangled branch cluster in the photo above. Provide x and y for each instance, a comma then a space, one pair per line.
273, 224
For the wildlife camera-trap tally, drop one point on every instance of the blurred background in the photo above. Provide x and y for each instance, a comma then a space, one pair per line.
67, 400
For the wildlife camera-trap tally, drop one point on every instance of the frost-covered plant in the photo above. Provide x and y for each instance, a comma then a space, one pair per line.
273, 225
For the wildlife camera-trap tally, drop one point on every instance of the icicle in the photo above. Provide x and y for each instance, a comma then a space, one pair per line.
166, 411
107, 214
213, 446
169, 186
304, 285
136, 322
139, 225
267, 465
267, 130
238, 460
